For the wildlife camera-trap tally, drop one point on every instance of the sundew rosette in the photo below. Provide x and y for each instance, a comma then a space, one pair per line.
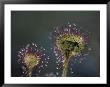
32, 57
69, 41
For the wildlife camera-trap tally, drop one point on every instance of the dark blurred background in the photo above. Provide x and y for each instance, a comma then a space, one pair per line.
35, 26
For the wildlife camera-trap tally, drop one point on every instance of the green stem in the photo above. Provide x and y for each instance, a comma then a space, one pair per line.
65, 68
65, 64
29, 73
